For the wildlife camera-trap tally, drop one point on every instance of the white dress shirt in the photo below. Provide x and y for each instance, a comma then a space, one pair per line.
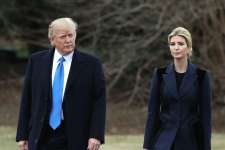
66, 65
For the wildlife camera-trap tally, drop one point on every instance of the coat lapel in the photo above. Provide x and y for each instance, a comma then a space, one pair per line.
47, 71
74, 70
187, 83
189, 79
170, 81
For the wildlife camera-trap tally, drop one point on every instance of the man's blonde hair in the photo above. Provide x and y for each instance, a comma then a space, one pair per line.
56, 22
180, 31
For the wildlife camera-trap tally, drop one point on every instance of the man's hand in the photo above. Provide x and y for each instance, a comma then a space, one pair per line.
93, 144
23, 145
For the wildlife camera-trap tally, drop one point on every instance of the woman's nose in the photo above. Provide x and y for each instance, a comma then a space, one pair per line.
176, 46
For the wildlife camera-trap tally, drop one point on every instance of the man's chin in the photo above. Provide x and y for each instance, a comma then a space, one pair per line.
67, 51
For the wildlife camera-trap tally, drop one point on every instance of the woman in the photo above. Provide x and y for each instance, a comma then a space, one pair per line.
179, 111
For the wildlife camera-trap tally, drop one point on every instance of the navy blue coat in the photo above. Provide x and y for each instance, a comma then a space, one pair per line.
84, 103
179, 118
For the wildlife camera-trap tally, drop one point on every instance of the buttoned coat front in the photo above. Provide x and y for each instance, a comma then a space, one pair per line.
179, 118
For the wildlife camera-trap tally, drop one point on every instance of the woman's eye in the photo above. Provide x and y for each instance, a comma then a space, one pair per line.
172, 44
180, 43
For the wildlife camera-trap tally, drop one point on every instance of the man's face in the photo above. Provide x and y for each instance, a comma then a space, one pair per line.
63, 39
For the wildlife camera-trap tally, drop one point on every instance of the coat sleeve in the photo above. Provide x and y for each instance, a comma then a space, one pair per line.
205, 111
152, 124
97, 127
25, 106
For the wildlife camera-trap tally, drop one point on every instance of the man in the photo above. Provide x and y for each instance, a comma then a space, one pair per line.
63, 102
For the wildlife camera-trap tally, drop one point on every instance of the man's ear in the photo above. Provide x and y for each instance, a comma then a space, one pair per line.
51, 41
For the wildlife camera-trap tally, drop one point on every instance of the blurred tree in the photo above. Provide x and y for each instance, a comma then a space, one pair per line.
131, 37
31, 18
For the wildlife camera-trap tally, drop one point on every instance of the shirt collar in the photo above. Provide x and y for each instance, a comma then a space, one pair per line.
67, 57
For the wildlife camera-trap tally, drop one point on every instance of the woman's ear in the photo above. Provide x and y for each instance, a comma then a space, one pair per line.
189, 52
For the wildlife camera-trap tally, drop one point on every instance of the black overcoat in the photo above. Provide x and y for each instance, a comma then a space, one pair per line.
84, 103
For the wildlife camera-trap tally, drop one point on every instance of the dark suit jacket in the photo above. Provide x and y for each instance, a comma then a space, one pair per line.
84, 103
180, 118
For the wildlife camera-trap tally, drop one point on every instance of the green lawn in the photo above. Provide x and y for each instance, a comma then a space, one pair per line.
113, 142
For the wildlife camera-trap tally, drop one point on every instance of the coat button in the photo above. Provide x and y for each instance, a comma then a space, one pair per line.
42, 119
36, 141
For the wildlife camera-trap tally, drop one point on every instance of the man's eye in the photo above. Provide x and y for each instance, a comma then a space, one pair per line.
70, 35
63, 37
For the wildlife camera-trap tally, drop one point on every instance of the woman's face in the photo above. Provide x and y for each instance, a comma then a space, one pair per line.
178, 47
